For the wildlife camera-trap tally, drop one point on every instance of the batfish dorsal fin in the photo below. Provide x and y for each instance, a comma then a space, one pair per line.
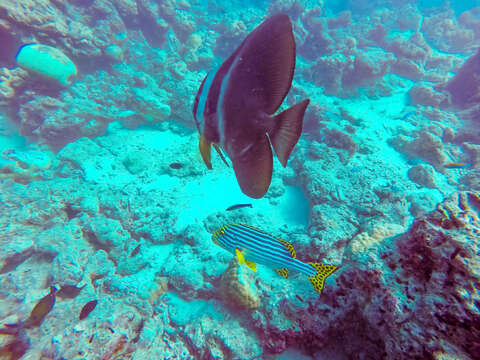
287, 130
266, 65
253, 168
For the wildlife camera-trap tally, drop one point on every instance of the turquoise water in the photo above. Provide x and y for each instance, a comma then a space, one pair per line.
107, 207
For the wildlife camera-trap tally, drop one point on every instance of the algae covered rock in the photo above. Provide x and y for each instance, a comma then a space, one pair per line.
237, 287
48, 62
423, 175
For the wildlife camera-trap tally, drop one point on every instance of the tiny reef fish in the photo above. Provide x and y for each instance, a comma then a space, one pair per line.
69, 291
41, 309
238, 206
455, 165
16, 348
176, 165
87, 309
235, 106
252, 246
135, 251
407, 115
20, 343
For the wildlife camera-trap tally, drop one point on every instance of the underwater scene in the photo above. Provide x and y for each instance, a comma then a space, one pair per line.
255, 179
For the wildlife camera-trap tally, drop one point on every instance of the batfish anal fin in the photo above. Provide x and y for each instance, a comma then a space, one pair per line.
221, 154
267, 64
251, 265
204, 146
240, 257
253, 168
287, 130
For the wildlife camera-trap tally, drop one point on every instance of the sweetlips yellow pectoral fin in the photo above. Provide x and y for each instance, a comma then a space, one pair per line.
204, 146
240, 257
251, 265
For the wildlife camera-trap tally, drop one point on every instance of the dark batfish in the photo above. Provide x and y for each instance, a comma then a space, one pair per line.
235, 106
40, 311
87, 309
238, 206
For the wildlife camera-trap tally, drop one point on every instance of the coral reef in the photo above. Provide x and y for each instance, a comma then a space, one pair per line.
423, 145
425, 95
423, 175
104, 196
432, 263
47, 62
10, 80
464, 85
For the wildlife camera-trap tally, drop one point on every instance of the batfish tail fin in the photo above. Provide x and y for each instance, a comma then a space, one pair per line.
323, 271
287, 130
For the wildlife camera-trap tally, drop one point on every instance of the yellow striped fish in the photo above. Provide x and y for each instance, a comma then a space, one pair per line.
252, 246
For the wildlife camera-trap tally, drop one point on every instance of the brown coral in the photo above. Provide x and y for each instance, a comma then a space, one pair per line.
236, 286
424, 146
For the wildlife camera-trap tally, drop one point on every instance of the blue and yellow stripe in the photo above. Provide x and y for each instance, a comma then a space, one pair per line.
252, 246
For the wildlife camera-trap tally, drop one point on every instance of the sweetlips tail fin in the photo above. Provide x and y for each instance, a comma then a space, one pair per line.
287, 130
323, 271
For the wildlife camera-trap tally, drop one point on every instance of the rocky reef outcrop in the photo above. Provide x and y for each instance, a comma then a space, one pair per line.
414, 295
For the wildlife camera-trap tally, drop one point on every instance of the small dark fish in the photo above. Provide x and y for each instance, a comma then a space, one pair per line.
12, 262
236, 104
91, 338
455, 165
69, 291
135, 251
238, 206
407, 115
139, 330
43, 307
111, 330
299, 298
87, 309
176, 165
18, 347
